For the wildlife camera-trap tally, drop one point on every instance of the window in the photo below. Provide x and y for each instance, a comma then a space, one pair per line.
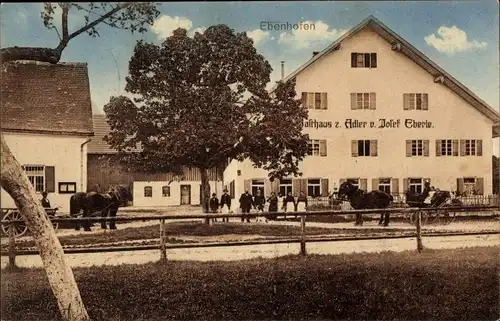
415, 186
415, 101
315, 100
471, 147
67, 188
447, 147
417, 147
313, 147
384, 185
363, 60
353, 181
257, 184
469, 185
363, 101
148, 191
313, 187
165, 191
36, 175
232, 189
364, 148
285, 186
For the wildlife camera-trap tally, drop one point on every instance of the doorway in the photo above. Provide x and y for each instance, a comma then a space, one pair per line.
185, 194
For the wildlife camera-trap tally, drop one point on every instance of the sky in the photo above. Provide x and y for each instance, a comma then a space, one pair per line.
460, 36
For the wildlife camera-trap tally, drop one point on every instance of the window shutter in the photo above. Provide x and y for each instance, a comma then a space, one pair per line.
354, 104
373, 57
310, 100
50, 179
460, 185
296, 187
406, 187
455, 147
354, 148
373, 101
479, 185
374, 184
324, 187
363, 184
354, 59
373, 148
408, 148
322, 147
247, 185
406, 101
462, 147
479, 147
425, 102
438, 147
394, 186
267, 188
275, 186
324, 101
426, 147
367, 60
304, 99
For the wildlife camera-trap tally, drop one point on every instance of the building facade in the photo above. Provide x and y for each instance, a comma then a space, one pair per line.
158, 189
383, 116
46, 122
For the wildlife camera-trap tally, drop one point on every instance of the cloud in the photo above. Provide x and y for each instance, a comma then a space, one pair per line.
165, 25
317, 33
258, 36
451, 40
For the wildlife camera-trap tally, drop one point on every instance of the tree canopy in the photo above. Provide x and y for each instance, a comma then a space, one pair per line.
201, 100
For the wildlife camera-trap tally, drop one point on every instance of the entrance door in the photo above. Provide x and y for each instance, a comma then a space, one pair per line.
185, 194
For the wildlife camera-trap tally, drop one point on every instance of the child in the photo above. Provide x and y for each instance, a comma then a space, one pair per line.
225, 205
214, 204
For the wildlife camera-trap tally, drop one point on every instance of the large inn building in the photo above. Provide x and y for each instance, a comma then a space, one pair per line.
383, 116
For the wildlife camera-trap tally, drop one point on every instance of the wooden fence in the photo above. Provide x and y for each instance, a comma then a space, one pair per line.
302, 239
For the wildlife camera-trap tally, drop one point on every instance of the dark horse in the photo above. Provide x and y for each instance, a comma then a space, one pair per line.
93, 202
361, 200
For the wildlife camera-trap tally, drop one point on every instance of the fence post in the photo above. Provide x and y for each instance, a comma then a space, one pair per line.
12, 246
163, 241
303, 235
419, 232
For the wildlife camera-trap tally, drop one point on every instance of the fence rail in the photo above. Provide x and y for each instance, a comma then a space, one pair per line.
163, 246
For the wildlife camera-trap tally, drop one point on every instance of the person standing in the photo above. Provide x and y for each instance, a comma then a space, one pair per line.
214, 205
246, 203
289, 203
302, 202
259, 201
225, 205
273, 206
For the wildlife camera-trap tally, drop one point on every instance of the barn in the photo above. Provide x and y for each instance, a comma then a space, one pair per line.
46, 120
149, 190
383, 116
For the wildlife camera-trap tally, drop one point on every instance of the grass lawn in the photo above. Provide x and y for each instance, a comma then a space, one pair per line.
178, 229
459, 284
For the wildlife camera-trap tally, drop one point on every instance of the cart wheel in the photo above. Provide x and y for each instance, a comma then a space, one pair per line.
446, 217
423, 218
19, 229
55, 225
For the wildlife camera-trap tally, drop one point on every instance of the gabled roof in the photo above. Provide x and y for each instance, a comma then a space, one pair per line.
46, 98
418, 57
101, 128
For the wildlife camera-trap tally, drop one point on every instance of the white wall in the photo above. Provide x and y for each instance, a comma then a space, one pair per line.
451, 117
175, 193
62, 152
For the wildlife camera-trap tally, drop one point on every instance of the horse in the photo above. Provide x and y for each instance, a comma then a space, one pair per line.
105, 203
360, 199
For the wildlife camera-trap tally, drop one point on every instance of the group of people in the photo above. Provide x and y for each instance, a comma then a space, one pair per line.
258, 202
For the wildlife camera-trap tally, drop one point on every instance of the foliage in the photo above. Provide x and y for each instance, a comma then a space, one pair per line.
496, 174
459, 284
199, 101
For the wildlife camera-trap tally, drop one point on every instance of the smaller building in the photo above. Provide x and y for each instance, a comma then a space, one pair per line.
159, 189
46, 120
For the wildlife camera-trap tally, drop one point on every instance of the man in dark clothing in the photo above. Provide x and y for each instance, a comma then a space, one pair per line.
259, 201
225, 205
45, 201
246, 203
214, 203
425, 192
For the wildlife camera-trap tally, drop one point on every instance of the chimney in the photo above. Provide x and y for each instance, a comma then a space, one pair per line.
282, 70
315, 53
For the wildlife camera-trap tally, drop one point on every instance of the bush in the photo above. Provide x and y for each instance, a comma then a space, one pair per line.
435, 285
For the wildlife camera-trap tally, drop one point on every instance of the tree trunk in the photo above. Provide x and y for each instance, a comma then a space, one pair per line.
205, 191
59, 273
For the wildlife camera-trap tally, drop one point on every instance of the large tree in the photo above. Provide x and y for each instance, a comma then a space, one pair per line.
199, 101
496, 174
134, 17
